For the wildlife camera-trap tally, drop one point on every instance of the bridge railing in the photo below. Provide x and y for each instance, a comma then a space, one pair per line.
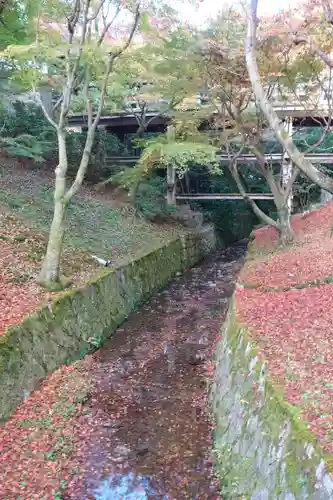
226, 196
130, 160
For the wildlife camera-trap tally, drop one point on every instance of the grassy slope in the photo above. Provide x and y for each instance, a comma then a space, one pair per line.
97, 223
286, 302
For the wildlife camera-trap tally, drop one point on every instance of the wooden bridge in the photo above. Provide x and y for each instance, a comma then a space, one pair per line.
227, 196
129, 161
277, 158
117, 163
290, 114
325, 158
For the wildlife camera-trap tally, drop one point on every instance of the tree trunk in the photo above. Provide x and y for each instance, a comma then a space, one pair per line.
286, 173
141, 131
285, 230
295, 155
50, 272
81, 172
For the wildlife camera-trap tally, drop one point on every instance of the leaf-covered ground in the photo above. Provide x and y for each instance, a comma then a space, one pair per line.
132, 417
286, 269
286, 301
97, 224
21, 253
317, 221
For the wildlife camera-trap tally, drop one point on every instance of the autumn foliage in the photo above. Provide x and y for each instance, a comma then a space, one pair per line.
286, 302
129, 406
36, 446
22, 249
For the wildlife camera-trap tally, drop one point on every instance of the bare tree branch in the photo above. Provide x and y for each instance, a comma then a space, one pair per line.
86, 89
141, 116
91, 130
286, 142
72, 71
45, 111
97, 11
258, 212
314, 49
108, 25
73, 18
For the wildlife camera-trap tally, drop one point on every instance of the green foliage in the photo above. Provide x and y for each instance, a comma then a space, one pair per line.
26, 133
15, 23
15, 28
126, 179
162, 71
233, 219
150, 198
148, 194
164, 152
26, 146
117, 90
159, 153
105, 145
313, 137
21, 118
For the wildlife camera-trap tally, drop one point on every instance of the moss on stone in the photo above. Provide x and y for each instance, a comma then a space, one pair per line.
62, 331
262, 435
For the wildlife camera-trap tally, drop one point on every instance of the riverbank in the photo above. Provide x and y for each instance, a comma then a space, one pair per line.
272, 393
97, 223
285, 301
135, 413
80, 320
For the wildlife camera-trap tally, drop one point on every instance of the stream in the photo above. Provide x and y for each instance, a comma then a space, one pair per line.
154, 436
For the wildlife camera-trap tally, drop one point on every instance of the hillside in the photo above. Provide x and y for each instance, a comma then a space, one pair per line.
103, 224
285, 300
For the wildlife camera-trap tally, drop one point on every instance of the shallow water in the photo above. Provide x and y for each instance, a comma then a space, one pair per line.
150, 396
118, 486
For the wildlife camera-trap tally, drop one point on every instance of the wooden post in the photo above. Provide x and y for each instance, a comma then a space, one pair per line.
171, 171
171, 185
287, 166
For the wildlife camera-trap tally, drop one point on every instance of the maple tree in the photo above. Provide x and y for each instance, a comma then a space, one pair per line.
15, 21
15, 28
223, 74
166, 84
76, 49
291, 74
77, 55
161, 76
285, 41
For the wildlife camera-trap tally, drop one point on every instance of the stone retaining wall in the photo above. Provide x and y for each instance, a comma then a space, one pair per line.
81, 319
264, 450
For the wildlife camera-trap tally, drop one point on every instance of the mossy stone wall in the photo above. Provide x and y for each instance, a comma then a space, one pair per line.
80, 319
264, 450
